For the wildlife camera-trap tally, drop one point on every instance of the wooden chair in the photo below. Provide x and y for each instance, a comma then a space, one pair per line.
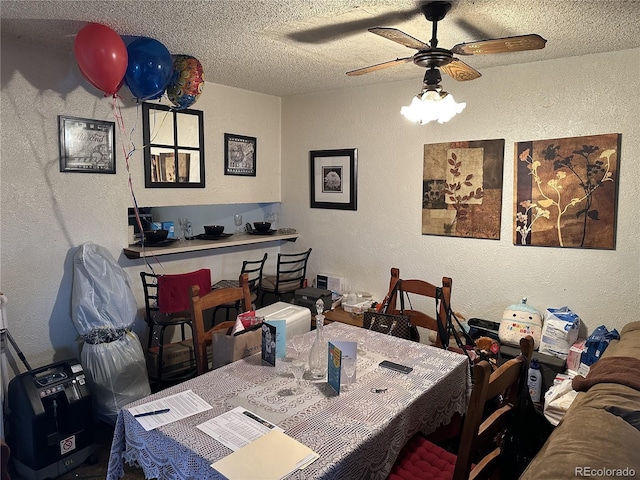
426, 289
253, 268
203, 338
291, 272
478, 452
163, 315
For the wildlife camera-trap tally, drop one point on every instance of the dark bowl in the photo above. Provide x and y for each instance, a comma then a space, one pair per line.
155, 236
262, 226
213, 229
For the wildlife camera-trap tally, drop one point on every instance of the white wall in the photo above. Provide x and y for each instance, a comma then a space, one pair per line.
46, 215
595, 94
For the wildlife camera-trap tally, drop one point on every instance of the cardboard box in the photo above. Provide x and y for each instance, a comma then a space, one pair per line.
575, 353
177, 358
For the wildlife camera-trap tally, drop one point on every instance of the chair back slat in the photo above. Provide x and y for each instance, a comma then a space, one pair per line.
202, 336
478, 434
425, 289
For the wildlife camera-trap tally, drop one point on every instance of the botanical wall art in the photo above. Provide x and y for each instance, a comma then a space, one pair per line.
462, 189
566, 192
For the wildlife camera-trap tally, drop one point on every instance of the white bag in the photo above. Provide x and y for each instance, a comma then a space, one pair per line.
518, 321
557, 401
560, 332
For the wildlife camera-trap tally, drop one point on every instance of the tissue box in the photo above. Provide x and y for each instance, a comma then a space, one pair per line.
575, 353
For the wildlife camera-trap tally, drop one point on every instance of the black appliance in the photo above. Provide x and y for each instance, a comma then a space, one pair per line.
483, 328
307, 297
50, 415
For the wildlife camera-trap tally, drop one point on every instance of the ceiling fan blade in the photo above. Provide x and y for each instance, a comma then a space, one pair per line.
379, 66
501, 45
400, 37
458, 70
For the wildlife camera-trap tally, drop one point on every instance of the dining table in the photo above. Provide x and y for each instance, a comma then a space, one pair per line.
357, 433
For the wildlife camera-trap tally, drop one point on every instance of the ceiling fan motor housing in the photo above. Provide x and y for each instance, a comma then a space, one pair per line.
434, 57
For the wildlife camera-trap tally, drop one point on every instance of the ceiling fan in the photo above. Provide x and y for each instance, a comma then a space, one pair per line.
436, 59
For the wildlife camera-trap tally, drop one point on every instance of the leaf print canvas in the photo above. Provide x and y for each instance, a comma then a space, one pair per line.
462, 189
566, 192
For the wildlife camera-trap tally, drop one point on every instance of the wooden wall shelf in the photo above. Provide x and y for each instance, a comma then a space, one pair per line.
237, 239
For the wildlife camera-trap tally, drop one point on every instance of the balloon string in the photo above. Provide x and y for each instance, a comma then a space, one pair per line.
117, 113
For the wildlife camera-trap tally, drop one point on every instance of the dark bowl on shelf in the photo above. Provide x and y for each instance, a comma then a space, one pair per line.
213, 229
155, 236
262, 226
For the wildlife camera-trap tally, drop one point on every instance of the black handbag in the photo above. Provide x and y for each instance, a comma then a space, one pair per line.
397, 325
526, 433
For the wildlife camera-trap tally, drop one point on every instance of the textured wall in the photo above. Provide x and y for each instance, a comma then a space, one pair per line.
46, 214
561, 98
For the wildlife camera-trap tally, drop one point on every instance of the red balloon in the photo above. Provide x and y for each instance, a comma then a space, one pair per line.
102, 57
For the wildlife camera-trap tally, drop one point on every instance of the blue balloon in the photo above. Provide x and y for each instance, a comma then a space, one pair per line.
149, 69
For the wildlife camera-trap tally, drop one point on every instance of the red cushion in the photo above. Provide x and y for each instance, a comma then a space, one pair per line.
421, 459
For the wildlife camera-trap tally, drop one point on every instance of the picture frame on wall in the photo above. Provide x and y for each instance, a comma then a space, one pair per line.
86, 145
240, 155
334, 178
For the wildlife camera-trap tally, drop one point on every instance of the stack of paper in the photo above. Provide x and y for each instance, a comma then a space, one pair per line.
273, 455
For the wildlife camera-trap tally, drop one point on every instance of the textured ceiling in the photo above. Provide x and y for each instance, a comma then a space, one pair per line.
293, 47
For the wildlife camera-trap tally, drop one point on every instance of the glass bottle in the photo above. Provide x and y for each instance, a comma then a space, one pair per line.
318, 353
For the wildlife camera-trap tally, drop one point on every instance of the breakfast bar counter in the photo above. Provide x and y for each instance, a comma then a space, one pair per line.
183, 246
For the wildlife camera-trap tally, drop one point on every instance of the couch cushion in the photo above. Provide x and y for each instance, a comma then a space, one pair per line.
586, 438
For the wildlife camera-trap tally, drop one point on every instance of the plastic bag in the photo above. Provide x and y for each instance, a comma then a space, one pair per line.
557, 401
559, 332
103, 308
596, 344
102, 295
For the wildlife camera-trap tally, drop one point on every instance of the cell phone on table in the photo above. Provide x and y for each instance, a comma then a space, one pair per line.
395, 366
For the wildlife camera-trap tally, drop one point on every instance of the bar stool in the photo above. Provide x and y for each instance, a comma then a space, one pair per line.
291, 272
253, 269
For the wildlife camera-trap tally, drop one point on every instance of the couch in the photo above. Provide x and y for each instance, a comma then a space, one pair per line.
599, 436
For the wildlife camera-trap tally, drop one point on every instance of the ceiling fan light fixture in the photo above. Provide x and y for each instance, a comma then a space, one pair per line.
432, 104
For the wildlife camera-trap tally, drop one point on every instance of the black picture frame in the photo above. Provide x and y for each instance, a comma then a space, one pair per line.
86, 145
173, 147
334, 178
240, 155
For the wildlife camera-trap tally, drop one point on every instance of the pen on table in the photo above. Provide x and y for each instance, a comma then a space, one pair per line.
155, 412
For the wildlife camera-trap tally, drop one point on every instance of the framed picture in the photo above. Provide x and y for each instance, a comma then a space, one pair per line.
566, 192
173, 147
334, 178
86, 145
462, 188
239, 155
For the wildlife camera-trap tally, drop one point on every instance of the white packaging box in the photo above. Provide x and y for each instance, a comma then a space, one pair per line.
298, 318
330, 282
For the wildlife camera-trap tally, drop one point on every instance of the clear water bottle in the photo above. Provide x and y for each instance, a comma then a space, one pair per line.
534, 380
318, 353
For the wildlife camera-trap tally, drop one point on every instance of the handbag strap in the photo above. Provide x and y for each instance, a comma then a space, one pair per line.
392, 291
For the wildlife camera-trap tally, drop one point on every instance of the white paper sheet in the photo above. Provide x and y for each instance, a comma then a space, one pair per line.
181, 405
238, 427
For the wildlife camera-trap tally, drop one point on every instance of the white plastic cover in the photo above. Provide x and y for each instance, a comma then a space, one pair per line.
103, 308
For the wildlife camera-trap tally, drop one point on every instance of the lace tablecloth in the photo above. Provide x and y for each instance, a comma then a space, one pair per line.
358, 433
